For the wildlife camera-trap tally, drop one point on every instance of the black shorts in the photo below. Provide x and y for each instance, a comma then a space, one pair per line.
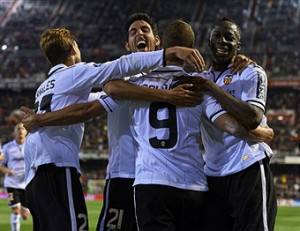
165, 208
244, 201
16, 197
56, 201
118, 206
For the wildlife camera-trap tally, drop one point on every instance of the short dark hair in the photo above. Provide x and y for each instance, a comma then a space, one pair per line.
229, 21
178, 33
141, 16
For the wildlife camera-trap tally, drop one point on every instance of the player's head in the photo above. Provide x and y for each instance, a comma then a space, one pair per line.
224, 40
142, 34
178, 33
59, 46
20, 133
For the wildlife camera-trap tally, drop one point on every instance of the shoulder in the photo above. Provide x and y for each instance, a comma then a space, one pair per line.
253, 70
7, 146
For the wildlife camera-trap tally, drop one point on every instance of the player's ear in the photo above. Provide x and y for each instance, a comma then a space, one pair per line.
127, 46
157, 41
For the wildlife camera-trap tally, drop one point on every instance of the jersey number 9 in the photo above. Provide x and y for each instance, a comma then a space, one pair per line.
170, 123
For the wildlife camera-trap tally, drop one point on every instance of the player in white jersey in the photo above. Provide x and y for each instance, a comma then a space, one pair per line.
51, 153
241, 196
13, 166
170, 183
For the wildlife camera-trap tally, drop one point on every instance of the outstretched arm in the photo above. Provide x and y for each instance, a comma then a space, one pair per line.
182, 95
73, 114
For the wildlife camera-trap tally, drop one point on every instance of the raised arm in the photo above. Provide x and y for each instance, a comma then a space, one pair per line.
182, 95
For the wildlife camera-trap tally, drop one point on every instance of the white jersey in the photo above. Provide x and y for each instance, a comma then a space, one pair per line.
70, 85
14, 160
168, 138
227, 154
121, 144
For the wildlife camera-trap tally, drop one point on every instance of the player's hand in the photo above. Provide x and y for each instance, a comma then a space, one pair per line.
240, 62
29, 120
9, 172
262, 134
188, 55
184, 95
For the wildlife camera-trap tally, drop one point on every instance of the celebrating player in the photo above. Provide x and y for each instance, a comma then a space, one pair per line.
240, 181
13, 166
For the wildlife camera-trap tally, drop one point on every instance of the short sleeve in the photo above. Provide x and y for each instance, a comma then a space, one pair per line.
212, 109
254, 87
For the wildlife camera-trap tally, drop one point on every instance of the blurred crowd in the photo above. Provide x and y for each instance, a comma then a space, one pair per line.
287, 186
270, 29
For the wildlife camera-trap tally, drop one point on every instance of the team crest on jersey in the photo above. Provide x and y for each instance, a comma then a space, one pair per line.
228, 79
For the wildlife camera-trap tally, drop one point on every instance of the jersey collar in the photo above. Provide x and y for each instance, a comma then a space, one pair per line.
56, 68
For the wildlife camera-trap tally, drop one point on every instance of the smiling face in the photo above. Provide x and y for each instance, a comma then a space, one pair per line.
141, 37
224, 42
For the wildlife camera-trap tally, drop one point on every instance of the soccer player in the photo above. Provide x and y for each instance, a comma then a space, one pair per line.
241, 190
13, 166
54, 193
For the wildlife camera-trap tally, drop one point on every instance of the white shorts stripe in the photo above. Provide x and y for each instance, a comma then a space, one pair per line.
264, 196
137, 224
102, 222
71, 202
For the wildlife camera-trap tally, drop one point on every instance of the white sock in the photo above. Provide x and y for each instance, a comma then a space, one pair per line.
15, 222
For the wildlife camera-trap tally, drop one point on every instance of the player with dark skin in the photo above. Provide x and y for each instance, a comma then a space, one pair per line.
225, 43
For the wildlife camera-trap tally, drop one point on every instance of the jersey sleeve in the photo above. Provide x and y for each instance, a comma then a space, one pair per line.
254, 87
91, 74
211, 108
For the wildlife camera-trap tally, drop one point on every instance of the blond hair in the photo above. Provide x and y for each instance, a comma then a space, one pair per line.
56, 44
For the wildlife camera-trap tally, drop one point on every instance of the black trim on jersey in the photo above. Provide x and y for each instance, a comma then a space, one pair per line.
107, 105
164, 58
55, 71
254, 101
165, 71
260, 88
210, 118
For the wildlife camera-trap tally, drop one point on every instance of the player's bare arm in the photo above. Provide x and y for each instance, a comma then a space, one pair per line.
248, 115
182, 95
73, 114
229, 124
6, 170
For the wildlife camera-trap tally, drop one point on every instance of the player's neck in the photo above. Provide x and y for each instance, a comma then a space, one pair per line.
20, 141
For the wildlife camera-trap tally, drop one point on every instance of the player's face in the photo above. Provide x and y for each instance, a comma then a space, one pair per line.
20, 132
141, 37
224, 42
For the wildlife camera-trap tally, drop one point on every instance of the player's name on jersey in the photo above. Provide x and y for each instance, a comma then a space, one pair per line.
156, 86
45, 87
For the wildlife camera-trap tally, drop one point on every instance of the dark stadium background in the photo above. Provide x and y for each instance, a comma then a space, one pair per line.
270, 35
